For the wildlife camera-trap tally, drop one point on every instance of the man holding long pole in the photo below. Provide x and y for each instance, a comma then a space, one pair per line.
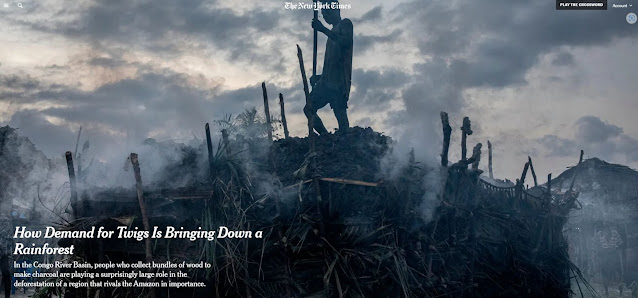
333, 86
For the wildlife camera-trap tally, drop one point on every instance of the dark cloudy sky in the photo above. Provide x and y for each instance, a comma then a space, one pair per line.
534, 81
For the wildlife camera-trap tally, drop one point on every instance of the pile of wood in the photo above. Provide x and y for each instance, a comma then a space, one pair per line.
341, 237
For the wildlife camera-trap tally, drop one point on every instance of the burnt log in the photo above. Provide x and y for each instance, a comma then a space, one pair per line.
571, 185
489, 158
467, 130
142, 202
476, 154
267, 110
447, 131
72, 183
311, 136
531, 168
284, 123
209, 146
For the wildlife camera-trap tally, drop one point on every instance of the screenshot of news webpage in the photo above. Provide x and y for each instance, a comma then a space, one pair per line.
409, 148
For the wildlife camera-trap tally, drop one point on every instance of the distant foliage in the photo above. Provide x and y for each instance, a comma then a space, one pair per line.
250, 124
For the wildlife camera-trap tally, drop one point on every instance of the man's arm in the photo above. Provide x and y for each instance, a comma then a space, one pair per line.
344, 37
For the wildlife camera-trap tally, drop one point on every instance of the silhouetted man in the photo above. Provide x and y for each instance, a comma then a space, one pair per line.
333, 86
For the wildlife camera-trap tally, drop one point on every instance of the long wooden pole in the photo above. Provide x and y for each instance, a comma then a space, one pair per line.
571, 185
489, 159
531, 167
315, 17
72, 184
524, 174
209, 145
311, 136
467, 130
77, 142
311, 120
266, 110
447, 131
142, 202
283, 116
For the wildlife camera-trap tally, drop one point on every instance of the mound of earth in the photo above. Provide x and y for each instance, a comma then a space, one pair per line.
353, 155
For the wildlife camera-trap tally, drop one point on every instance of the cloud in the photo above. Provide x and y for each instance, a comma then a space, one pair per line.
558, 146
168, 28
371, 15
597, 138
154, 104
563, 59
629, 146
375, 89
592, 129
17, 83
495, 45
48, 137
366, 42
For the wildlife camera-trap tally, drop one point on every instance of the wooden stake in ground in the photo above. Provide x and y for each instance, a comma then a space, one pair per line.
522, 180
283, 115
311, 129
72, 184
209, 145
571, 185
267, 110
315, 17
531, 167
77, 142
447, 131
145, 222
311, 136
467, 130
489, 158
476, 154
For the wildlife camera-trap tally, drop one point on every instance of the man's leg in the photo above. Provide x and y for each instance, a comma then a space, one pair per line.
340, 108
342, 118
318, 101
318, 124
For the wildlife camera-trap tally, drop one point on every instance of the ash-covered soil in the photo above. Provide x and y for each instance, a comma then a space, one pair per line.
354, 154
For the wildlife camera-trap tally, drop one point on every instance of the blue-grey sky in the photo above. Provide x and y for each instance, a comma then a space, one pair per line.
533, 80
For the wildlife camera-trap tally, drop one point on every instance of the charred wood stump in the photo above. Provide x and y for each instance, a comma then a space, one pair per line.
447, 131
311, 137
267, 110
467, 130
143, 210
531, 168
571, 185
209, 146
284, 123
489, 160
476, 154
72, 184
